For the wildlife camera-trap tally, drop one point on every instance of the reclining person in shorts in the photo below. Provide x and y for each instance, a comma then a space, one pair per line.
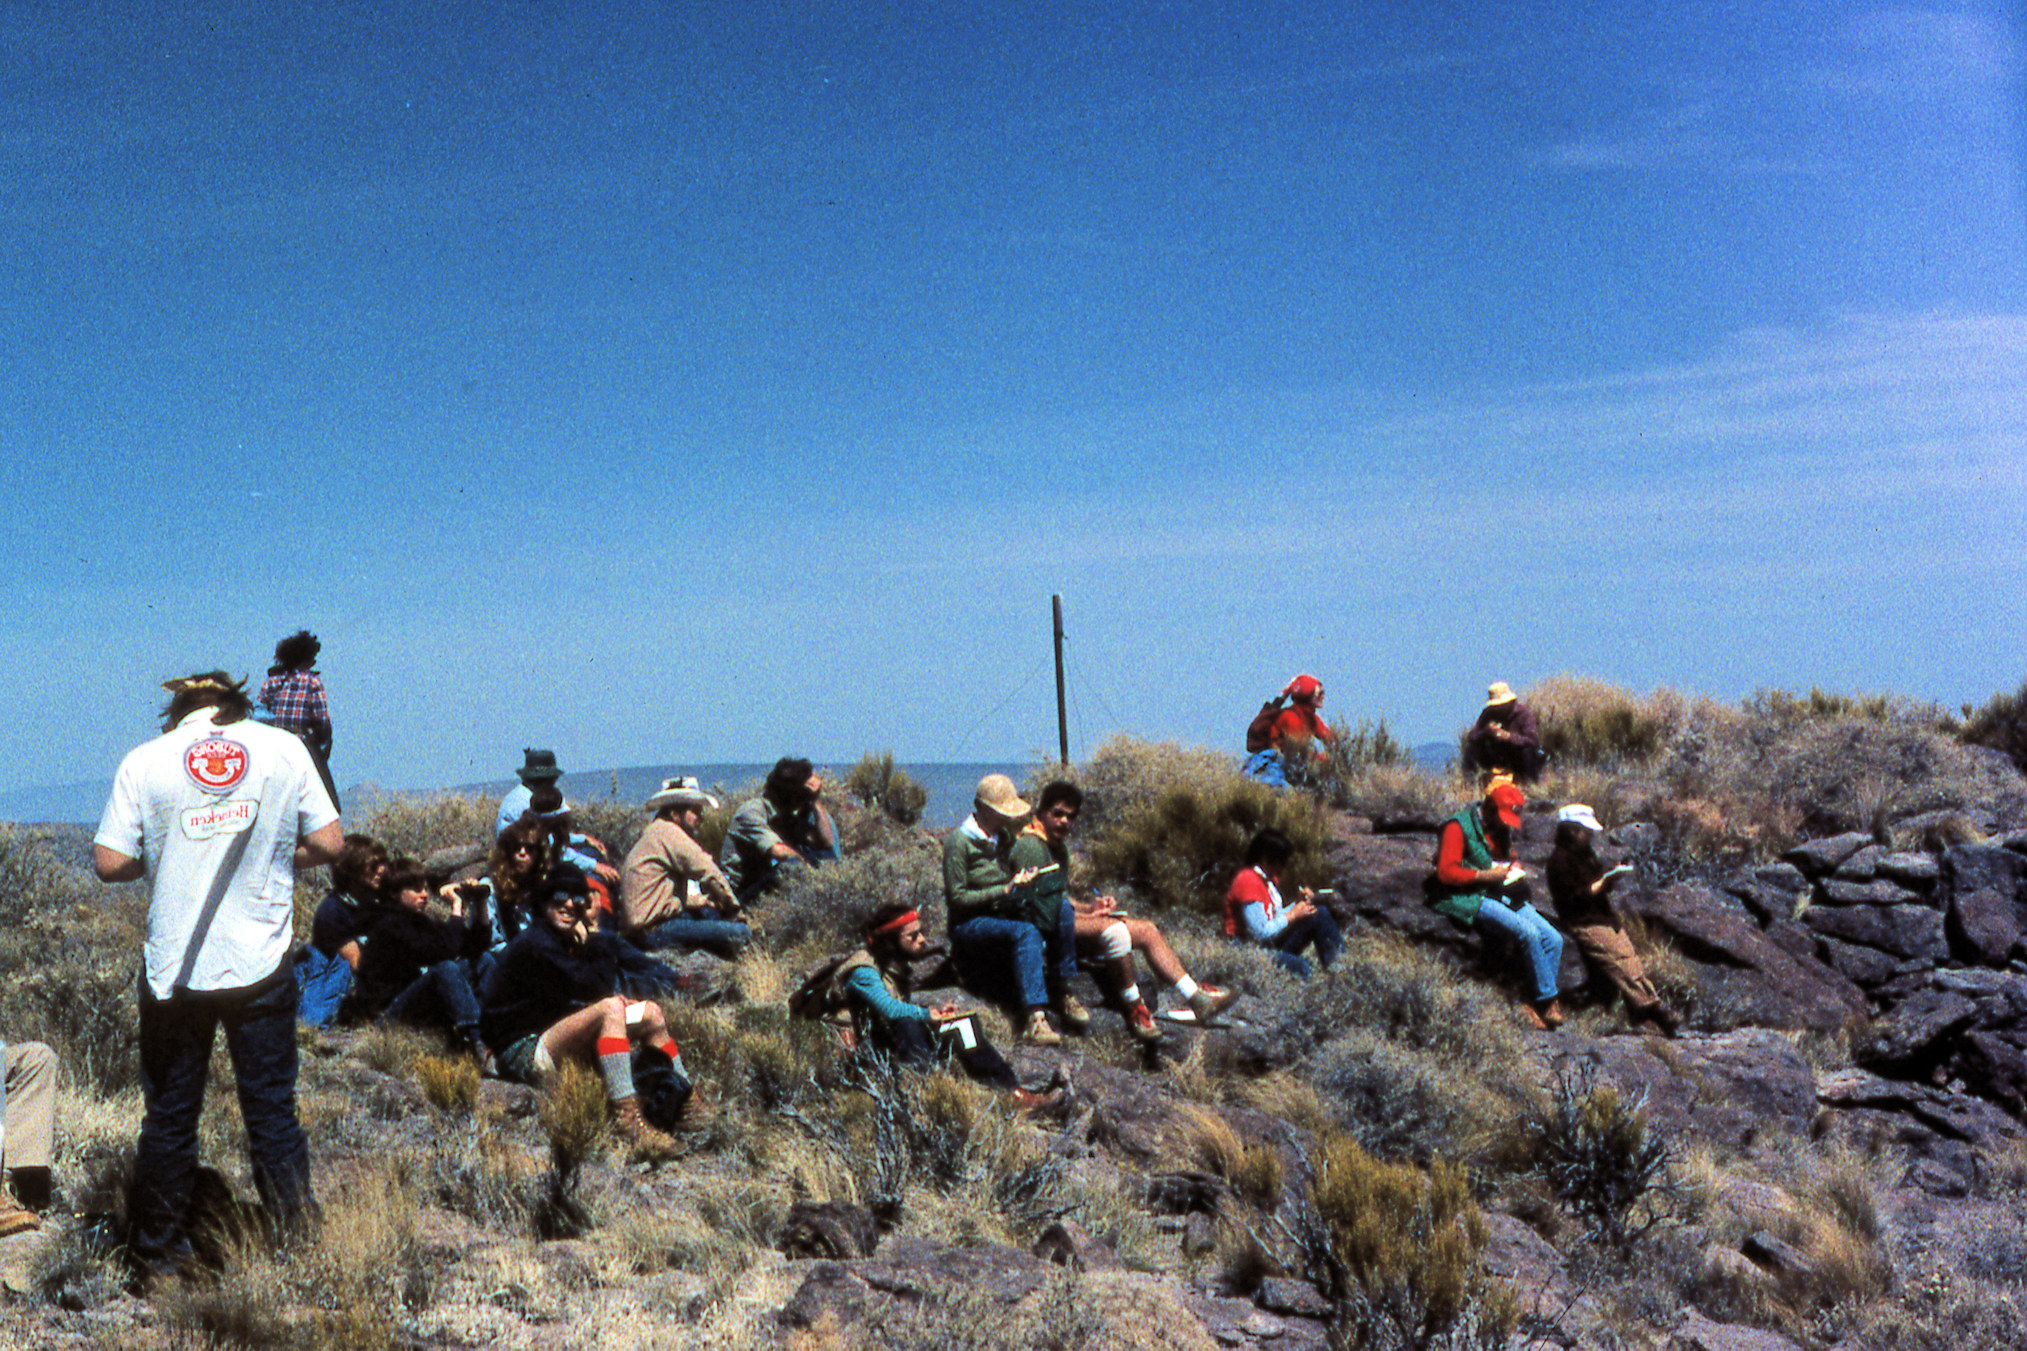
561, 991
1043, 849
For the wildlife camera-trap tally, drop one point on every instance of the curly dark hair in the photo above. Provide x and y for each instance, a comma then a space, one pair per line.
297, 652
788, 782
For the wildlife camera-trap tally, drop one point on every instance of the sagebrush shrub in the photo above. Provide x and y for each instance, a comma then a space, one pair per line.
1402, 1262
2000, 724
1596, 1152
878, 784
1589, 721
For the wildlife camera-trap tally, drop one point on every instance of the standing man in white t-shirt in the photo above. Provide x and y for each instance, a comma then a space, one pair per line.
217, 813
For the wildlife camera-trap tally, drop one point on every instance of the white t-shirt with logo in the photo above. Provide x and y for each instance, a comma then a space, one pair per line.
215, 814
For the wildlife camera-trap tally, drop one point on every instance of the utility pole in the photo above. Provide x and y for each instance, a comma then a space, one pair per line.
1062, 712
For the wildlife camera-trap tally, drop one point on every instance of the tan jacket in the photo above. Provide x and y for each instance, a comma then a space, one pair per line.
666, 874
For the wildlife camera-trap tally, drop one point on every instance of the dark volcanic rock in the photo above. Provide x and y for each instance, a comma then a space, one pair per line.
1914, 1038
1984, 867
832, 1229
1743, 972
1069, 1244
1728, 1089
1837, 891
1903, 930
1994, 1067
1861, 866
1911, 869
1819, 857
1984, 926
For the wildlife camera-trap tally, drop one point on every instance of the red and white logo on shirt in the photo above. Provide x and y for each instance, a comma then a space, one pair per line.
215, 764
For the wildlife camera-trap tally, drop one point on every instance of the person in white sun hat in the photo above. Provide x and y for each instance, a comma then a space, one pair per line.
1581, 887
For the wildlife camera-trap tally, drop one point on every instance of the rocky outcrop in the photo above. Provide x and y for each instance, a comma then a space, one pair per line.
1744, 977
1730, 1090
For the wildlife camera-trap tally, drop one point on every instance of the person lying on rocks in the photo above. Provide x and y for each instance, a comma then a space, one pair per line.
564, 991
1296, 738
1505, 738
416, 970
1581, 887
1043, 847
671, 894
324, 969
1256, 912
774, 837
875, 983
1477, 884
994, 939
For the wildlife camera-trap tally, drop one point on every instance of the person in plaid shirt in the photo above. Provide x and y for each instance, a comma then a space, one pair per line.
293, 696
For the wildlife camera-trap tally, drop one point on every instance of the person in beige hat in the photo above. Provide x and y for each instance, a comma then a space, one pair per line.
992, 942
1505, 738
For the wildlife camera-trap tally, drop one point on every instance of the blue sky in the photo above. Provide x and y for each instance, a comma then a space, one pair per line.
687, 382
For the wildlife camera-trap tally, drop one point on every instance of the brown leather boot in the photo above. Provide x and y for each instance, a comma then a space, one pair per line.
1551, 1014
644, 1144
16, 1218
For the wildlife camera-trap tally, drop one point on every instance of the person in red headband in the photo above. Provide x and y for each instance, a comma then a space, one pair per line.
875, 983
1477, 884
1285, 746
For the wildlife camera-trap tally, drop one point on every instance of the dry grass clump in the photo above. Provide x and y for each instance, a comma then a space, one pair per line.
449, 1083
1253, 1170
1172, 824
1400, 1254
1589, 721
2000, 725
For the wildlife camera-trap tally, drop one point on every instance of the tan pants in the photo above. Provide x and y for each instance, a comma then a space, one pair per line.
1607, 949
30, 1133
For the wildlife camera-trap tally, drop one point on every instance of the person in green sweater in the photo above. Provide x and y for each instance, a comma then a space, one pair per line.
1101, 931
992, 936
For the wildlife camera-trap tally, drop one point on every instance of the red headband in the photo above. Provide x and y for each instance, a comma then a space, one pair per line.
895, 925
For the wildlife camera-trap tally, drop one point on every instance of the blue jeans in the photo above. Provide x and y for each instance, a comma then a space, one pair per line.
176, 1036
439, 997
990, 950
324, 982
1266, 767
1539, 941
1320, 930
699, 928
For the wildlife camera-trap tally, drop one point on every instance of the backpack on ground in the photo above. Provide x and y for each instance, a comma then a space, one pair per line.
821, 996
1260, 731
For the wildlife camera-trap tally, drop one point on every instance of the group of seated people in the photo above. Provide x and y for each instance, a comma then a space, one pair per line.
537, 961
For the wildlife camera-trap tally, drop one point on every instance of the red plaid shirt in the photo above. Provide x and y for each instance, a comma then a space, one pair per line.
296, 698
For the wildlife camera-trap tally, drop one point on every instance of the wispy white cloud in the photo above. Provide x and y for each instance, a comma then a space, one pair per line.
1917, 53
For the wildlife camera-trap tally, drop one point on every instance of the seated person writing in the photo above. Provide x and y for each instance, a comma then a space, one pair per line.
1043, 848
1581, 888
775, 836
1505, 739
1256, 913
993, 937
564, 990
671, 894
1477, 884
324, 970
416, 970
875, 982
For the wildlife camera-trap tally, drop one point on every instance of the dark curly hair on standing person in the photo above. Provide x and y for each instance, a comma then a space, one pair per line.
297, 652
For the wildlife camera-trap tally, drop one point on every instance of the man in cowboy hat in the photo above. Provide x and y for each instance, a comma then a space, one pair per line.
671, 893
539, 770
1505, 739
217, 813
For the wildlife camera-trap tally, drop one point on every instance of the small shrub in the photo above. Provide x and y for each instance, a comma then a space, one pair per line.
1399, 1257
1177, 839
2001, 725
1254, 1171
1396, 1104
419, 824
1587, 721
878, 784
824, 912
450, 1083
573, 1117
1597, 1155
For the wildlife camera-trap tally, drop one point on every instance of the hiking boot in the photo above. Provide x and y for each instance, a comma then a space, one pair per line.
1551, 1014
1038, 1032
1074, 1015
16, 1218
1141, 1023
1529, 1018
644, 1144
1025, 1101
1208, 1003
